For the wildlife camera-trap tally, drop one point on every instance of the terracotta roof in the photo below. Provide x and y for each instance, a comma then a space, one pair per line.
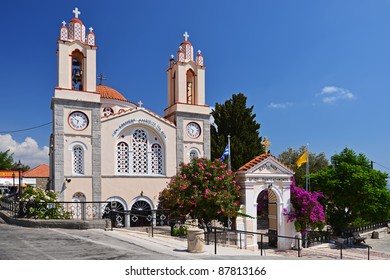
254, 161
259, 159
109, 93
41, 171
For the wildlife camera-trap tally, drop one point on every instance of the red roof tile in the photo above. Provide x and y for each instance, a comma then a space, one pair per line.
110, 93
257, 160
41, 171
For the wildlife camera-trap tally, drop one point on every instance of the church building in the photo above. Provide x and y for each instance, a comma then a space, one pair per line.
106, 148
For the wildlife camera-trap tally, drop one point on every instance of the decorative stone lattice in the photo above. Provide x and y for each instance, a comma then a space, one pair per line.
140, 159
157, 159
64, 34
78, 160
83, 33
71, 31
188, 53
122, 158
77, 31
91, 39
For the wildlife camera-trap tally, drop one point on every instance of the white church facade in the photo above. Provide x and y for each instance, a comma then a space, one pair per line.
104, 147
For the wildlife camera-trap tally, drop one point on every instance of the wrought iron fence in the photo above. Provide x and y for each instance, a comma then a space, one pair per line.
57, 210
348, 232
229, 237
150, 219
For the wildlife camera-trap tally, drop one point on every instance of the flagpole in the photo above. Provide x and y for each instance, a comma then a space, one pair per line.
307, 167
229, 162
229, 168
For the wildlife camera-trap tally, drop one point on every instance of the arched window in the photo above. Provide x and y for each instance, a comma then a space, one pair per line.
193, 154
157, 159
78, 160
140, 149
173, 85
77, 70
191, 87
122, 157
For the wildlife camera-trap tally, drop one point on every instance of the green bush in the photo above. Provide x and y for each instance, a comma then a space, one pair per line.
40, 204
179, 231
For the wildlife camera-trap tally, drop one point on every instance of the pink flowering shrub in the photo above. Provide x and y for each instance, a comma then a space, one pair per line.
202, 189
307, 213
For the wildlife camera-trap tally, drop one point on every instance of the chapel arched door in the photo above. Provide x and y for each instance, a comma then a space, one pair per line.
267, 216
262, 211
272, 219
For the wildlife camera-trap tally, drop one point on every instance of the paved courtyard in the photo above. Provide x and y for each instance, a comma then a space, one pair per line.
379, 248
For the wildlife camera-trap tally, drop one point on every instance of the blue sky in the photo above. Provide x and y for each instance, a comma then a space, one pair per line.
316, 72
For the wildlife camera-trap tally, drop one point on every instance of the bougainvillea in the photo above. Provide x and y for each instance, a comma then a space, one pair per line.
307, 212
204, 190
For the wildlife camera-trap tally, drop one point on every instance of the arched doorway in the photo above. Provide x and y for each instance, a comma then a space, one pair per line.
262, 211
267, 215
78, 208
141, 214
272, 219
118, 212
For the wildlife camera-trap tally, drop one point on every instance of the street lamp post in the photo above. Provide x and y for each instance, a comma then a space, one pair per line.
20, 181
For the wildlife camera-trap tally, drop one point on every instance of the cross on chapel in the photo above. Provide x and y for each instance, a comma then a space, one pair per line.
185, 35
76, 12
140, 103
266, 144
63, 23
90, 29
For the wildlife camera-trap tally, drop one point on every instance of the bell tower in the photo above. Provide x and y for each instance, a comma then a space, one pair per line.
75, 150
186, 103
76, 56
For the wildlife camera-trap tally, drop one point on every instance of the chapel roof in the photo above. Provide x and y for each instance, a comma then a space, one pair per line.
109, 93
257, 160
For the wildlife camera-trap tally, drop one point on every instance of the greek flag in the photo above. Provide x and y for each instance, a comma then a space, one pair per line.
226, 152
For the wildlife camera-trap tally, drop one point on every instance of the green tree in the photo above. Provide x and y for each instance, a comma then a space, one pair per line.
6, 160
355, 193
235, 119
204, 190
317, 162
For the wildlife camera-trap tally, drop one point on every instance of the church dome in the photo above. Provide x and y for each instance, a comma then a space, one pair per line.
109, 93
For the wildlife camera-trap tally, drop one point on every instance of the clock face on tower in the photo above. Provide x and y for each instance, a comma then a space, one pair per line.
78, 120
193, 130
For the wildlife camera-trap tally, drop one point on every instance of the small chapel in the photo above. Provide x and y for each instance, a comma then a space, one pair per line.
104, 147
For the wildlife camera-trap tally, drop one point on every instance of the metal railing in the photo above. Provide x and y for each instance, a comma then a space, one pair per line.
61, 210
220, 236
348, 232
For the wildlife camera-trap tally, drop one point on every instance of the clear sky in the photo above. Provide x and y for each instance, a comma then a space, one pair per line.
316, 72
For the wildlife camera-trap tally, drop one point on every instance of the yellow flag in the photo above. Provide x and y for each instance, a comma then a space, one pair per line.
302, 159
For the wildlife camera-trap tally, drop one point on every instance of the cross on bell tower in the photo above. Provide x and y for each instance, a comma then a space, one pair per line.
76, 12
185, 35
